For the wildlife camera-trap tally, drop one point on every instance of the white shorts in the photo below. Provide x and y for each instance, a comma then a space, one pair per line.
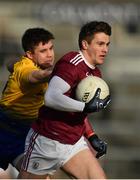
45, 156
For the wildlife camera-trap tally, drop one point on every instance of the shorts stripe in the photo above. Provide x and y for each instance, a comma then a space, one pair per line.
29, 150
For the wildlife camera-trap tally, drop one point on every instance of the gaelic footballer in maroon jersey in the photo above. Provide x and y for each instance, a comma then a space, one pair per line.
56, 124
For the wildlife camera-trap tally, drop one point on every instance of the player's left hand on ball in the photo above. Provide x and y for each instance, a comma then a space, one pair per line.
96, 104
99, 145
102, 103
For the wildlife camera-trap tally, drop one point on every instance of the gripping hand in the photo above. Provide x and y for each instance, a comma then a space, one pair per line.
99, 145
96, 104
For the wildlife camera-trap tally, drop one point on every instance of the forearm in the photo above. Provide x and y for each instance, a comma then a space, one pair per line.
89, 130
55, 97
38, 76
97, 144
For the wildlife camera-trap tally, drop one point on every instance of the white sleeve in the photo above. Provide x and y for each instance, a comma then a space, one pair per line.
55, 98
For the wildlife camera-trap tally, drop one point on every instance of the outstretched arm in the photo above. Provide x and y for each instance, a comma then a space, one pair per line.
35, 76
39, 76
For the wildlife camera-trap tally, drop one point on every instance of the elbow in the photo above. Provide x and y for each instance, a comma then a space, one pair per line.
48, 99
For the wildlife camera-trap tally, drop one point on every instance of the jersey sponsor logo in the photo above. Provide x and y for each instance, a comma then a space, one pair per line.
89, 74
76, 60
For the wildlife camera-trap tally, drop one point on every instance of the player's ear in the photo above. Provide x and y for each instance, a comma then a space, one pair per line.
84, 44
29, 54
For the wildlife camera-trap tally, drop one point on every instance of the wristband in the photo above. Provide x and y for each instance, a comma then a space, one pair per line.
89, 134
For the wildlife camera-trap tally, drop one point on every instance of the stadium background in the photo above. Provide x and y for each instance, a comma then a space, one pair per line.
119, 124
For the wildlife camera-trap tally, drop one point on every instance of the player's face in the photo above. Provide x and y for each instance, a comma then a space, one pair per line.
98, 48
43, 54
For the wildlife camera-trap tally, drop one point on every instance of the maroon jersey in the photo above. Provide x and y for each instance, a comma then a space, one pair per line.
66, 127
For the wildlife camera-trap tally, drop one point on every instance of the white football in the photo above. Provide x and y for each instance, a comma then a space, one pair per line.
87, 87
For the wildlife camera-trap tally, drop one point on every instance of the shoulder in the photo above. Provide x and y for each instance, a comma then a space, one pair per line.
24, 63
69, 67
73, 58
23, 68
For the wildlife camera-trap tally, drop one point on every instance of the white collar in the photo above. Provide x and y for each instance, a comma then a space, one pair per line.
86, 62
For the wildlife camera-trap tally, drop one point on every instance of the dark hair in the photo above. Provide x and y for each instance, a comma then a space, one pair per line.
33, 36
88, 31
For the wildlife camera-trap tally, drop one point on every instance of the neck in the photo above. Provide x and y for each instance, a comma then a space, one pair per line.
87, 60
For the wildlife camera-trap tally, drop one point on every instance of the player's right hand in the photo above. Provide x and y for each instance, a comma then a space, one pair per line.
96, 104
99, 145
